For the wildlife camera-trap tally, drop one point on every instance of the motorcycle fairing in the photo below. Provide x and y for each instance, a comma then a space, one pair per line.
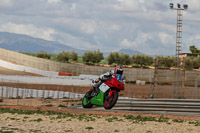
103, 87
99, 99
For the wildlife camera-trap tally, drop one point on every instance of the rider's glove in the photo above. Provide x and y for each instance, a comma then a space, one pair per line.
101, 77
105, 76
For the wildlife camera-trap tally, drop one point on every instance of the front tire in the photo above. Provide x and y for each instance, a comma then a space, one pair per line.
86, 101
111, 101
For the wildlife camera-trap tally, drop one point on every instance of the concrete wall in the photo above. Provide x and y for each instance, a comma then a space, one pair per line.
131, 74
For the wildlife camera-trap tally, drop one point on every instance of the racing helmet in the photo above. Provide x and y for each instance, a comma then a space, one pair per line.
118, 70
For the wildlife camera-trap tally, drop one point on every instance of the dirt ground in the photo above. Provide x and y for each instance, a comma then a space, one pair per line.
86, 121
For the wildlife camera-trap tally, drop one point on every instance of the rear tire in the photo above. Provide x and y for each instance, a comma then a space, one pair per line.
109, 103
86, 101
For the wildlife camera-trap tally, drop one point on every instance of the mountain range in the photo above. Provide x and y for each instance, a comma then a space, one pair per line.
26, 43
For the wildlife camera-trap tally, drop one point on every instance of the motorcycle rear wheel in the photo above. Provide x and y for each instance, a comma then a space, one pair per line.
86, 101
109, 103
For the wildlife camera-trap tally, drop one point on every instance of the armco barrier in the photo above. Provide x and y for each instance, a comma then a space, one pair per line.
180, 106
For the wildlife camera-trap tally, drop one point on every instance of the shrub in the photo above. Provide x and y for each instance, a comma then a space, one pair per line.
43, 54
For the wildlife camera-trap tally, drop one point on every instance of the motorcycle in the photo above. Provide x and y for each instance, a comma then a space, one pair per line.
107, 96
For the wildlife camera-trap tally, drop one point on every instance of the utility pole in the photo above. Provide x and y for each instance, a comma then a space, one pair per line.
178, 43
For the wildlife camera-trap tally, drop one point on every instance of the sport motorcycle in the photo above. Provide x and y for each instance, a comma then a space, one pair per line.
107, 95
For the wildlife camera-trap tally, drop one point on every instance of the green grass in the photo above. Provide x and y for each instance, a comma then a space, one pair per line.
26, 117
27, 53
60, 115
116, 130
90, 117
38, 120
139, 118
178, 121
10, 130
196, 123
89, 128
163, 119
112, 119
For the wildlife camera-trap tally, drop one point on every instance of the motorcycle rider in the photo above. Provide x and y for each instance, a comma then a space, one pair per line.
118, 72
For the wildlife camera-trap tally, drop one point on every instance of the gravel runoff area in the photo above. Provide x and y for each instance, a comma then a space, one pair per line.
84, 121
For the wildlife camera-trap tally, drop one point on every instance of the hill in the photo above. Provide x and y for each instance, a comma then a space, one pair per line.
130, 51
25, 43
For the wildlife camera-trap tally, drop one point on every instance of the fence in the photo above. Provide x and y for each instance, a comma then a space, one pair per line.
23, 94
179, 84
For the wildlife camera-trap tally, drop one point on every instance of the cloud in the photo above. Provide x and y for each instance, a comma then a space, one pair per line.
5, 3
28, 30
115, 27
73, 41
140, 40
127, 44
54, 1
127, 5
165, 38
88, 27
194, 40
148, 26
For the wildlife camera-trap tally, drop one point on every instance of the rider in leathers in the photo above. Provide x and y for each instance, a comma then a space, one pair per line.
106, 76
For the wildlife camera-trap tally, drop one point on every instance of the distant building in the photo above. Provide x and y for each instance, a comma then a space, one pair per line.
182, 55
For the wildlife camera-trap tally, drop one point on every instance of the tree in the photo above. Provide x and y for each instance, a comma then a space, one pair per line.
124, 59
87, 56
194, 50
63, 56
113, 58
98, 55
93, 57
166, 61
74, 56
142, 60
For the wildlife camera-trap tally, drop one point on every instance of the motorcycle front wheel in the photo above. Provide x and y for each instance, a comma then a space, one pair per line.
110, 101
86, 101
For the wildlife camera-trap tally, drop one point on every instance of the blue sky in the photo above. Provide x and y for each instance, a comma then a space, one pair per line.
109, 25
